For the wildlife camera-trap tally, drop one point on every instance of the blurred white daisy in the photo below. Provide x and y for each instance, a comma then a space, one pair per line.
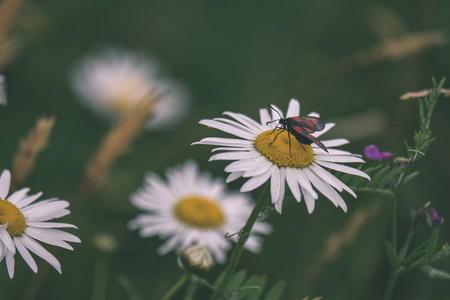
259, 156
23, 224
192, 208
112, 82
3, 100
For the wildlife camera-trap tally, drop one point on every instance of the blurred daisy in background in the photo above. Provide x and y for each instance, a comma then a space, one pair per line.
192, 208
259, 156
23, 224
3, 100
113, 82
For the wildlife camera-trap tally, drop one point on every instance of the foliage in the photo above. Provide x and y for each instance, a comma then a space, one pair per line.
252, 288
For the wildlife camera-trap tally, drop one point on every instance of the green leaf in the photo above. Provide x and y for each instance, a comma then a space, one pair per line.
276, 292
392, 256
435, 273
417, 255
410, 177
379, 175
433, 243
252, 288
128, 287
236, 281
219, 279
442, 254
396, 171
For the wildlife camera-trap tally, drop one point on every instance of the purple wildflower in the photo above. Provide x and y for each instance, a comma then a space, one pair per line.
372, 152
401, 163
435, 217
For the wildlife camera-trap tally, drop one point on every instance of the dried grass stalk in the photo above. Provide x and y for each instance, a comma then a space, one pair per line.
8, 12
401, 47
336, 242
8, 50
421, 94
29, 148
115, 143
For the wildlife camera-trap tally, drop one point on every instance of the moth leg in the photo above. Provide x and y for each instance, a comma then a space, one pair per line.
289, 137
270, 144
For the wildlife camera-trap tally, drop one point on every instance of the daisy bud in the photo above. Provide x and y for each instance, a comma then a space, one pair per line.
196, 258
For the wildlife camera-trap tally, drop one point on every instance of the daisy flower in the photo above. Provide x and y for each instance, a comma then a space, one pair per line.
3, 100
24, 223
257, 155
113, 82
192, 208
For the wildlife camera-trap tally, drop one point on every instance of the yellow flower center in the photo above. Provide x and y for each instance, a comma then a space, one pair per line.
277, 150
199, 212
10, 214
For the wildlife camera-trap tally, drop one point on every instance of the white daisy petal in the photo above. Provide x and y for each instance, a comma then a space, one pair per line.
237, 125
293, 184
326, 176
27, 200
279, 201
326, 190
264, 116
259, 159
5, 179
255, 182
275, 184
3, 98
328, 126
6, 239
25, 254
27, 219
234, 155
331, 179
339, 158
248, 122
258, 169
229, 129
276, 112
303, 180
244, 164
50, 225
309, 200
113, 82
343, 169
40, 251
9, 257
18, 195
335, 142
190, 189
223, 142
233, 176
293, 108
233, 149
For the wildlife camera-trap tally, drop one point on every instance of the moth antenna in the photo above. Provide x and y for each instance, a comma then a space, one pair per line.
267, 123
275, 110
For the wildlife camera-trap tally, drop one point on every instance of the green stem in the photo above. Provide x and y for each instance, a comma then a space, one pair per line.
394, 223
191, 288
390, 287
176, 287
100, 278
242, 238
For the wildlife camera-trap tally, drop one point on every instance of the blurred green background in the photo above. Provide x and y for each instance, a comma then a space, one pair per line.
235, 56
